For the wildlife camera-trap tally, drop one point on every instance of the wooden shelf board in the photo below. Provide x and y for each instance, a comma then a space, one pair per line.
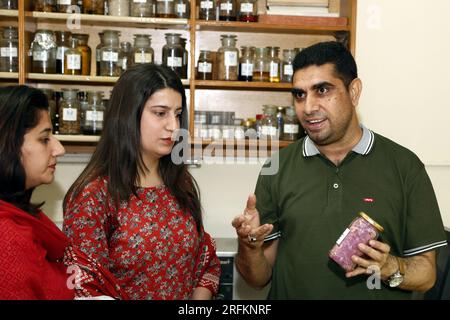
77, 138
242, 85
9, 13
9, 75
238, 143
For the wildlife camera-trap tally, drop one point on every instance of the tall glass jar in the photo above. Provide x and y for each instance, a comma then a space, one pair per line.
8, 50
9, 4
182, 9
125, 56
247, 11
93, 118
227, 10
246, 63
287, 68
291, 126
269, 123
165, 9
45, 5
72, 58
184, 66
98, 53
83, 100
280, 121
43, 50
205, 65
51, 104
142, 8
62, 45
142, 51
119, 8
207, 10
64, 5
172, 53
94, 6
261, 68
109, 65
275, 64
69, 113
227, 58
86, 52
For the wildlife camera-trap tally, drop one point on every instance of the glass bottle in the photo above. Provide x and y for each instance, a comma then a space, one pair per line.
62, 45
247, 11
204, 66
125, 56
274, 63
64, 5
165, 9
172, 53
8, 50
69, 113
227, 10
98, 53
86, 52
227, 58
287, 68
142, 51
109, 65
246, 63
291, 126
207, 10
280, 121
45, 5
51, 104
83, 100
142, 8
269, 123
93, 118
72, 58
120, 8
261, 68
43, 50
94, 7
182, 9
184, 66
9, 4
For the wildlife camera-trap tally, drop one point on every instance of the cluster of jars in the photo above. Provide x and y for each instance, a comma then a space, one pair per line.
229, 10
9, 50
9, 4
123, 8
278, 122
254, 64
76, 112
215, 125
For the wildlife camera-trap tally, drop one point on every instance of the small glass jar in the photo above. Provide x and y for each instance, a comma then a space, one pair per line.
9, 4
182, 9
8, 50
246, 63
109, 65
269, 123
361, 230
98, 53
51, 104
62, 45
142, 8
204, 65
165, 9
280, 121
172, 53
86, 52
94, 7
287, 68
125, 56
207, 10
93, 117
291, 126
184, 66
227, 58
43, 50
83, 100
120, 8
64, 5
247, 11
274, 64
69, 113
261, 68
227, 10
142, 51
72, 58
45, 5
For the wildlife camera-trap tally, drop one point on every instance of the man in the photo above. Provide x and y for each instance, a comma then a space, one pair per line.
324, 180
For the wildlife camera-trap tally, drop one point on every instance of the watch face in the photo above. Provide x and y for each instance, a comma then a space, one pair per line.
395, 280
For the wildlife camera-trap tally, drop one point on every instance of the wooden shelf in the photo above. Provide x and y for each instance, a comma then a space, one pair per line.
9, 75
239, 143
242, 85
77, 138
9, 13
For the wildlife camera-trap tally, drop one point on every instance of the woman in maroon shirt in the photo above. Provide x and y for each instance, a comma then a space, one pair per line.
136, 208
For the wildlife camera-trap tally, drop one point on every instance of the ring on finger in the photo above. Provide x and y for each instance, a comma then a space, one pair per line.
251, 238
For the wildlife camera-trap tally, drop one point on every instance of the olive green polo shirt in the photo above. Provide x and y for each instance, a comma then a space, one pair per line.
311, 202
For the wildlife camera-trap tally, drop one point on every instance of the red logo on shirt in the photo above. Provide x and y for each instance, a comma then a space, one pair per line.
368, 200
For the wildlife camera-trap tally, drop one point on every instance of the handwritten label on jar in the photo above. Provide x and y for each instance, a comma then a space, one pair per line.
181, 8
110, 56
40, 55
205, 67
94, 115
64, 2
69, 114
247, 69
140, 1
273, 69
246, 7
8, 52
60, 53
269, 131
291, 128
288, 70
342, 237
73, 61
226, 6
231, 59
206, 4
174, 61
142, 57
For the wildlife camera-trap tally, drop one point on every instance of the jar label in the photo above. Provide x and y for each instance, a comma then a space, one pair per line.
274, 69
231, 58
342, 237
174, 61
247, 7
73, 61
60, 53
64, 2
94, 115
208, 4
181, 8
40, 55
143, 57
110, 56
247, 69
205, 67
8, 52
291, 128
69, 114
228, 6
139, 1
269, 131
288, 70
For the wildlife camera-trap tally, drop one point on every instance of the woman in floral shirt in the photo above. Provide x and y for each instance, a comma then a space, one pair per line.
135, 209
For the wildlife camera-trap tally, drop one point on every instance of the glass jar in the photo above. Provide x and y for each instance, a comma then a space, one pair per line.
93, 117
98, 53
247, 11
142, 51
64, 5
172, 53
94, 6
8, 50
361, 230
261, 68
207, 10
291, 126
83, 100
227, 58
62, 45
9, 4
280, 121
182, 9
227, 10
246, 63
51, 104
165, 9
142, 8
287, 65
69, 113
184, 66
125, 56
269, 123
119, 8
109, 64
72, 58
204, 65
275, 64
86, 52
43, 50
45, 5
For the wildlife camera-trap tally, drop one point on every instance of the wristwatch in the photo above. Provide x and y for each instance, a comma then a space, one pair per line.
397, 277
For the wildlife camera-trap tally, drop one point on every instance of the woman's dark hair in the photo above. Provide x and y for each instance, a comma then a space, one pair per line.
118, 153
20, 108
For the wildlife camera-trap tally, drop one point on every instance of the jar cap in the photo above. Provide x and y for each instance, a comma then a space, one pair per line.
371, 221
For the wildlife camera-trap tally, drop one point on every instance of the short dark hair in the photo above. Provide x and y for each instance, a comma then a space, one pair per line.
20, 108
329, 52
